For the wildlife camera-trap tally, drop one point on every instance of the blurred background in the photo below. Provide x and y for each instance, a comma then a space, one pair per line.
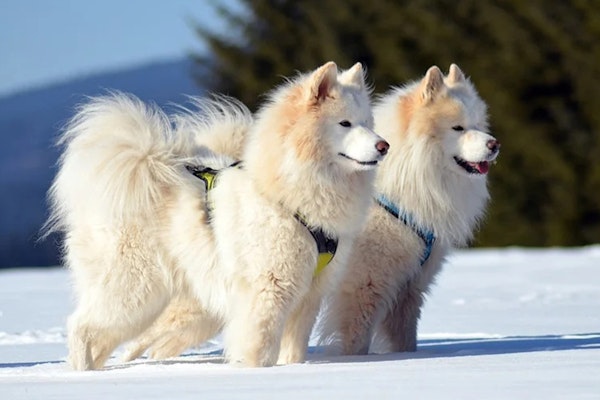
536, 63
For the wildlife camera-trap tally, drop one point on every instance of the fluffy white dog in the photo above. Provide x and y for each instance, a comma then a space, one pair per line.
431, 194
141, 229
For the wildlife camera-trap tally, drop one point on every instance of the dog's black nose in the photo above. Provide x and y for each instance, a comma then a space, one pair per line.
382, 147
493, 145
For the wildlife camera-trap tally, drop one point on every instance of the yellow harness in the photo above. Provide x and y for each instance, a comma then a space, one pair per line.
326, 245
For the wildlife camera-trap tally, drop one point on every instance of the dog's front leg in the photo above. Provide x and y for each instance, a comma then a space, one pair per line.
400, 323
253, 334
297, 329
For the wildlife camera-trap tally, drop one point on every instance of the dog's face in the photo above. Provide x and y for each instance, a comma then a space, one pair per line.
351, 138
340, 117
459, 118
320, 122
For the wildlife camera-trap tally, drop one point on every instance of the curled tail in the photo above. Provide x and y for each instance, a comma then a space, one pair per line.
219, 123
120, 156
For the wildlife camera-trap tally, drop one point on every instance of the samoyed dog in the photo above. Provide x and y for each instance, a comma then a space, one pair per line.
244, 241
430, 195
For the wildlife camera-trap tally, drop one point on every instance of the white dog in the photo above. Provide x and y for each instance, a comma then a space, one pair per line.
431, 194
140, 229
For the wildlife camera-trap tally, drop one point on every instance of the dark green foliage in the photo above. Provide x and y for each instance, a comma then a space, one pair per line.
536, 63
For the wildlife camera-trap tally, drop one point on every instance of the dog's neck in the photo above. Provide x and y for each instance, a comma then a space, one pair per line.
325, 194
444, 201
414, 176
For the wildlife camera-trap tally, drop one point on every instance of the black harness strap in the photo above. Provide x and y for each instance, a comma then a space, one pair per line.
326, 245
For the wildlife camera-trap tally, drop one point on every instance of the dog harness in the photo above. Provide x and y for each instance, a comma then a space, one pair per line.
326, 245
426, 235
206, 174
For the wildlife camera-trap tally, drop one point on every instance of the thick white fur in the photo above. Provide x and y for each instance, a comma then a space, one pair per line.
135, 220
384, 287
383, 291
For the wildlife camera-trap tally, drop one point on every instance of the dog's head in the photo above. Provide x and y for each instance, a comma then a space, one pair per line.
345, 107
325, 117
448, 110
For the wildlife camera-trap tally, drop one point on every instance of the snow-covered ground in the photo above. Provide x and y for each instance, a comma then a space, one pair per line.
500, 324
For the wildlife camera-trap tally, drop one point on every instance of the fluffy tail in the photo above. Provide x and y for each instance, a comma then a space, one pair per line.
120, 155
220, 123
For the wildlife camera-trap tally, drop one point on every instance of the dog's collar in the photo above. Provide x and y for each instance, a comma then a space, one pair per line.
326, 245
426, 235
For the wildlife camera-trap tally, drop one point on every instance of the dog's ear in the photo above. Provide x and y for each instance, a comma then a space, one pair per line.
455, 75
354, 75
432, 84
321, 81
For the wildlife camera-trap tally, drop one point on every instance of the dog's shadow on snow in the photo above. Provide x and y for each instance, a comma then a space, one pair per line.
426, 349
461, 347
191, 357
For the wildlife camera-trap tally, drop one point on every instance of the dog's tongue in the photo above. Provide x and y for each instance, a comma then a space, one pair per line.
483, 167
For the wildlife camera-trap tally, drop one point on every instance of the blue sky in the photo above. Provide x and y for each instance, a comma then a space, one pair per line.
47, 41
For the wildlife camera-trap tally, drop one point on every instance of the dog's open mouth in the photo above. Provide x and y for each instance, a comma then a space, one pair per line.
374, 162
481, 167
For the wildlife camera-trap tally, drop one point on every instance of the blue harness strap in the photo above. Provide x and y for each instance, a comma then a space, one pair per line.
426, 235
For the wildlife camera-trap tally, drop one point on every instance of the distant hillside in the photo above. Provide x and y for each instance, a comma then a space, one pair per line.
29, 124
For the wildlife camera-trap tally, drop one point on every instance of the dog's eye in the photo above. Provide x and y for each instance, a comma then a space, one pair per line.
345, 123
458, 128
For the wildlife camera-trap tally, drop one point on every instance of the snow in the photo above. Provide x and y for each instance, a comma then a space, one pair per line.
500, 324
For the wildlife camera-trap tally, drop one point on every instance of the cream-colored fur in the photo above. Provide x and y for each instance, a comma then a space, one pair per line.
428, 124
137, 234
384, 287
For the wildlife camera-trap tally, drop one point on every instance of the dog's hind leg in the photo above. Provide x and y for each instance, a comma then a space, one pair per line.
90, 340
114, 306
183, 324
80, 345
107, 341
194, 332
93, 335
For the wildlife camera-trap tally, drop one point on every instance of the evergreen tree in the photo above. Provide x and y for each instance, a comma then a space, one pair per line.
536, 63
